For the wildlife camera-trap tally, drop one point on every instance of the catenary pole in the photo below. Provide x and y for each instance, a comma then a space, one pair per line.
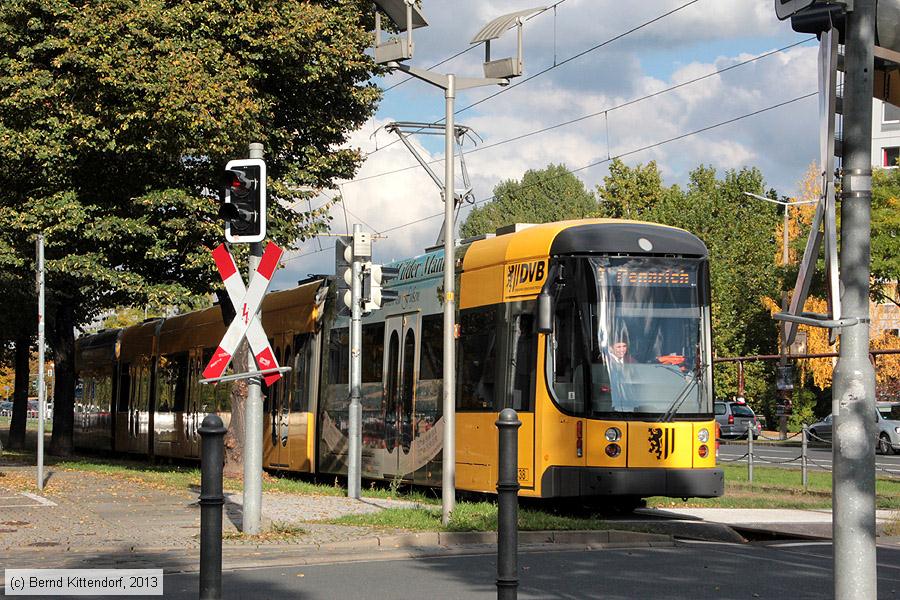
354, 449
448, 474
42, 390
854, 378
253, 415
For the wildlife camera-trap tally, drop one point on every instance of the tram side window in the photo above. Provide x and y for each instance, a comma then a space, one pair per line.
476, 363
172, 382
124, 387
103, 392
339, 356
522, 363
431, 363
300, 398
214, 398
372, 352
568, 376
141, 394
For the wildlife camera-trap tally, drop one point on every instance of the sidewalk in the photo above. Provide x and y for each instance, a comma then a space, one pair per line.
87, 519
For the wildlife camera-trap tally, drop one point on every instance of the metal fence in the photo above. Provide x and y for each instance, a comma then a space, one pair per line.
807, 463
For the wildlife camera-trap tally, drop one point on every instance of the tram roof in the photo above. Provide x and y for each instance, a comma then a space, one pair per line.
583, 236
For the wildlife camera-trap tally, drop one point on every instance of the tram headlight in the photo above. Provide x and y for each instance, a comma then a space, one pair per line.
613, 434
613, 450
703, 436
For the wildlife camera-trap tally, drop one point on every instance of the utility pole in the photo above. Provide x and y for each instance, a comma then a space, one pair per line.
853, 450
253, 414
355, 443
782, 363
42, 389
406, 16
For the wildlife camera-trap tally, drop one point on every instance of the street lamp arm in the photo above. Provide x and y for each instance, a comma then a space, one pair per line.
465, 83
443, 81
435, 79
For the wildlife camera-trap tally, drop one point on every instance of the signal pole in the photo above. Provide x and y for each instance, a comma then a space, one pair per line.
355, 446
853, 450
42, 388
253, 414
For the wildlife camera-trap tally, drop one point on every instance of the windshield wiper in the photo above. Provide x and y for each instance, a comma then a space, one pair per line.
696, 376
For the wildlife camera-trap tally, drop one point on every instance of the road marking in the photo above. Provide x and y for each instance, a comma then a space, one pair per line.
39, 499
800, 544
34, 498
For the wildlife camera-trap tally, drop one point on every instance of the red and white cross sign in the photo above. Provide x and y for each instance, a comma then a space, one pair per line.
246, 303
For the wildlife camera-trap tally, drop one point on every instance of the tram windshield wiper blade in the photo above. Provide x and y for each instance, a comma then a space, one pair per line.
695, 378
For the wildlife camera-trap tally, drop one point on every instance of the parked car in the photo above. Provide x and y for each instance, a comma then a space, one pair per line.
888, 431
6, 408
32, 409
736, 418
821, 431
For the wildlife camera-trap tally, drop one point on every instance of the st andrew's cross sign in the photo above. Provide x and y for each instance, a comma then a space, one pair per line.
246, 302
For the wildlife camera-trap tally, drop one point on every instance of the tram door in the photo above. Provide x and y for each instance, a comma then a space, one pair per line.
280, 405
400, 374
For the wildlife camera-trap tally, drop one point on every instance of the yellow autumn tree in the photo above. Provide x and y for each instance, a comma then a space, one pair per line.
820, 370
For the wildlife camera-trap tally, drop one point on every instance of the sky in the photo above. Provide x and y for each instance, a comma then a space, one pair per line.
609, 64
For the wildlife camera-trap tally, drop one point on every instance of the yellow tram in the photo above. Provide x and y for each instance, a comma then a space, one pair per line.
596, 331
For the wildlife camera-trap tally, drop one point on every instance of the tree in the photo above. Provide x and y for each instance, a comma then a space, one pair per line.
116, 119
885, 232
542, 196
738, 233
633, 192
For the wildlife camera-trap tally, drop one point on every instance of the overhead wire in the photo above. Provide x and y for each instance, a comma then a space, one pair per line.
554, 66
594, 114
469, 49
602, 161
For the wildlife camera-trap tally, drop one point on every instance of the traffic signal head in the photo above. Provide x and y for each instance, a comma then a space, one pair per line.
374, 294
343, 271
244, 201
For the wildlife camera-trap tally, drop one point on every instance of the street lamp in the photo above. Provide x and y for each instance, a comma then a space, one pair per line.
406, 17
783, 383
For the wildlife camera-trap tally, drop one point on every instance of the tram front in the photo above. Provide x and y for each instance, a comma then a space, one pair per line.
626, 317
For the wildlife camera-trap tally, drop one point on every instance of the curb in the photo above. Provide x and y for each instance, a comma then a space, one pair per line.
418, 545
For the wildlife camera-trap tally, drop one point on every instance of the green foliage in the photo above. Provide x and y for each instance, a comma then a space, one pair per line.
542, 196
885, 263
803, 404
117, 118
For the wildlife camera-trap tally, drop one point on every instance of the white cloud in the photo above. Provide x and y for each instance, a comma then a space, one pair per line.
780, 142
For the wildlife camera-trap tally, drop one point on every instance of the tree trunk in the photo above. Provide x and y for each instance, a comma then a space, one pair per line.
63, 342
20, 395
234, 437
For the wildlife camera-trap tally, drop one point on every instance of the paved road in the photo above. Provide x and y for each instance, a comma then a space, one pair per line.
784, 456
797, 570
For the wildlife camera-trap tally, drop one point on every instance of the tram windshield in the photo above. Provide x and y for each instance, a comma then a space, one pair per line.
628, 338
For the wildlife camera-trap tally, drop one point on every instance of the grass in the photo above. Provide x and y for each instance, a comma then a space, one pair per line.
772, 488
468, 516
186, 477
780, 488
278, 532
30, 425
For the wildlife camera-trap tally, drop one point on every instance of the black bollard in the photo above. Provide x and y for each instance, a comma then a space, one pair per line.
508, 506
212, 461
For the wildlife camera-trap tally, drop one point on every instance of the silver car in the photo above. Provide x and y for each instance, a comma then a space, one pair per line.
736, 419
888, 431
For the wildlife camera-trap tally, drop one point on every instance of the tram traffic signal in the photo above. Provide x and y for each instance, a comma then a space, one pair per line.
343, 271
374, 294
244, 201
